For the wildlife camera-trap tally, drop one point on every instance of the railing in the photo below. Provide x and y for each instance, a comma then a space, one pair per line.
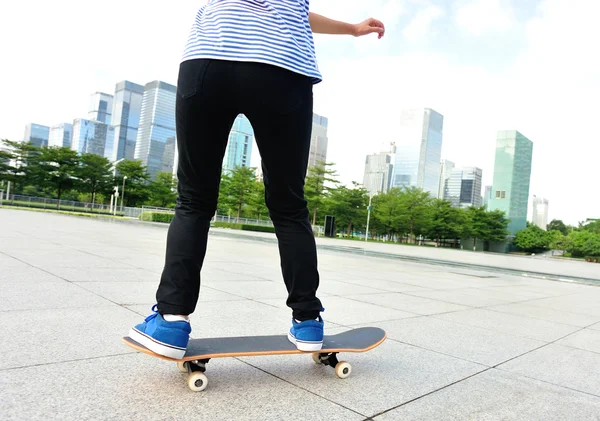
127, 212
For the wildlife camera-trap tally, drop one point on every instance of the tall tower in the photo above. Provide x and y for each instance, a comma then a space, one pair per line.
540, 212
445, 173
61, 135
90, 136
419, 150
318, 141
463, 188
512, 175
155, 143
101, 107
239, 147
37, 134
126, 111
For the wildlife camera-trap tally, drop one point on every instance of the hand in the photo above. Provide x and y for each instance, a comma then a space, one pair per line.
369, 26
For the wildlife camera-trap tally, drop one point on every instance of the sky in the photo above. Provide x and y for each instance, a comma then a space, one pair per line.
485, 65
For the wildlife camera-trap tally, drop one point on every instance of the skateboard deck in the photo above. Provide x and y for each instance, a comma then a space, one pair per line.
200, 351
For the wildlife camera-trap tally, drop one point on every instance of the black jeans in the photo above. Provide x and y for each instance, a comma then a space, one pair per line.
279, 105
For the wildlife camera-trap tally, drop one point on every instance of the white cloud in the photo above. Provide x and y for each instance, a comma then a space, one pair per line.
482, 16
421, 24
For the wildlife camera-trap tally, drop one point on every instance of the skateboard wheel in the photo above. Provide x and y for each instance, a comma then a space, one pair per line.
197, 381
317, 358
181, 366
343, 369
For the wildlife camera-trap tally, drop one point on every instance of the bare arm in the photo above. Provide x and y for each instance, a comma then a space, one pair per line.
322, 25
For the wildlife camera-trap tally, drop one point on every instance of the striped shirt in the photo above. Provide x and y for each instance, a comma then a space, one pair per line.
275, 32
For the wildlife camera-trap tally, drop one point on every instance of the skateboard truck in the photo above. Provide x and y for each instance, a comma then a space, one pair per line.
342, 368
197, 380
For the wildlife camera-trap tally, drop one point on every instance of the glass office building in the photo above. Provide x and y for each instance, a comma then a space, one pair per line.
91, 136
156, 137
418, 150
463, 187
100, 108
239, 147
127, 107
378, 173
540, 212
318, 141
37, 134
61, 135
512, 174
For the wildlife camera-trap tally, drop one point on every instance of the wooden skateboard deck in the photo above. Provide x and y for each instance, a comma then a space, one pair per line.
200, 351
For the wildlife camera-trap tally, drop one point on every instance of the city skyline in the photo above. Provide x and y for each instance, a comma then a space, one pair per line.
470, 63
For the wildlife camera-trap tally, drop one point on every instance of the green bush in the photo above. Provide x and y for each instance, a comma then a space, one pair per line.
243, 227
157, 217
258, 228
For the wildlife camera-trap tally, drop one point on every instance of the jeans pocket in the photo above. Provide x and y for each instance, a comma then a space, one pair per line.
191, 76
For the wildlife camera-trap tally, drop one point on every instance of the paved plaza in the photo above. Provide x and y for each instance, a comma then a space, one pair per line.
463, 344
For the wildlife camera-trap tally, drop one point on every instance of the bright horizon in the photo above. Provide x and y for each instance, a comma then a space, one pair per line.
485, 65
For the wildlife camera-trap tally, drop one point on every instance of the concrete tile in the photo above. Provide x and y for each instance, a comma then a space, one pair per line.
470, 343
387, 286
348, 312
128, 293
408, 303
587, 339
7, 262
254, 290
330, 287
495, 395
46, 295
135, 386
514, 293
558, 316
382, 378
47, 336
25, 274
595, 327
467, 297
560, 365
540, 330
572, 303
95, 274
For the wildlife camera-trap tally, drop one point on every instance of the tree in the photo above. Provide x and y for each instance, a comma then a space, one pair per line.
319, 181
94, 174
162, 190
416, 204
349, 206
497, 226
136, 187
532, 239
238, 188
446, 222
256, 203
558, 225
23, 156
486, 226
591, 246
5, 168
57, 169
387, 214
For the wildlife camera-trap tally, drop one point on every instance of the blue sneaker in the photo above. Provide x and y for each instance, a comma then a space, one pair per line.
307, 335
169, 339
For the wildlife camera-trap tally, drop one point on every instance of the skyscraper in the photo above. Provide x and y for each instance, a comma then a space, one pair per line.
91, 136
100, 108
37, 134
419, 150
155, 142
61, 135
463, 188
239, 147
540, 212
318, 141
378, 173
445, 173
512, 174
126, 111
487, 196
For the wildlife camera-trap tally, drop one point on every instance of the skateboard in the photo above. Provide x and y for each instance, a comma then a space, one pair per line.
200, 351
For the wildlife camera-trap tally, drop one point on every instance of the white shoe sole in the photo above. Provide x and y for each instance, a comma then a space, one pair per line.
156, 346
305, 346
